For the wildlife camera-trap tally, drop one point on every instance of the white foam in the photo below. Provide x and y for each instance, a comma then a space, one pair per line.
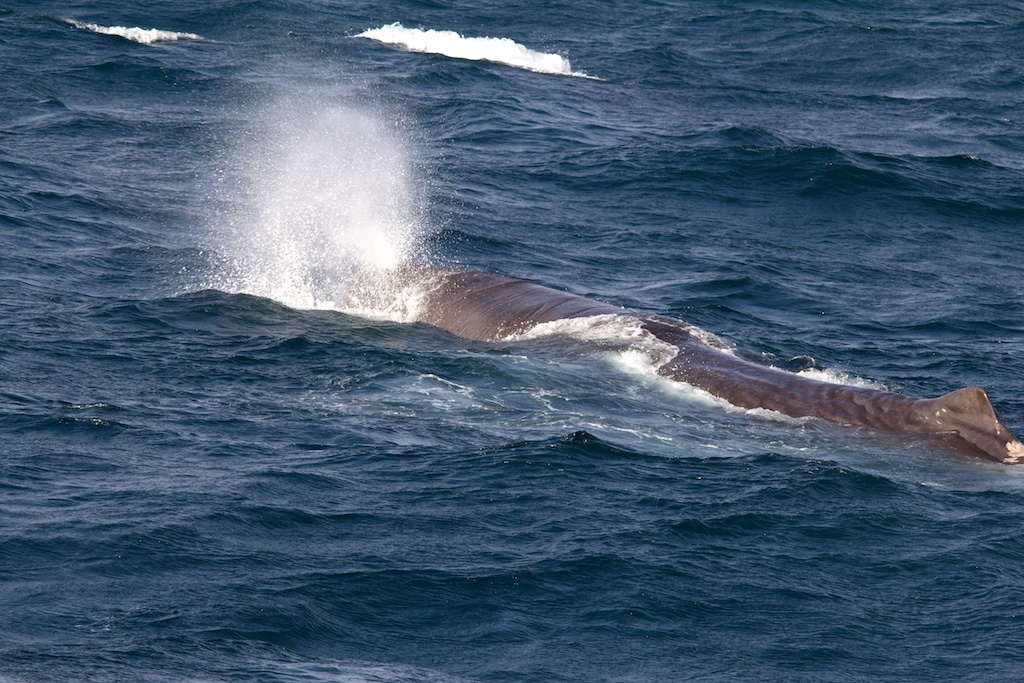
709, 339
382, 294
1014, 453
634, 347
451, 44
146, 36
609, 327
837, 377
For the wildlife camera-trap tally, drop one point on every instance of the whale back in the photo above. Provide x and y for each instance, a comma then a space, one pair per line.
486, 307
966, 414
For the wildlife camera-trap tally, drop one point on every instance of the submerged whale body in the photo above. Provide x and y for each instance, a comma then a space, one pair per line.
486, 307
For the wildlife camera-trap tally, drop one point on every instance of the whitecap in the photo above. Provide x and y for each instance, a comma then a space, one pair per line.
451, 44
146, 36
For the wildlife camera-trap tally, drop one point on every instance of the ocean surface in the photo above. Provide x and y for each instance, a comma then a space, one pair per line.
224, 456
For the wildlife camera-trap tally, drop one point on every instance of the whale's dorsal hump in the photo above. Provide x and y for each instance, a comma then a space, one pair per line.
969, 414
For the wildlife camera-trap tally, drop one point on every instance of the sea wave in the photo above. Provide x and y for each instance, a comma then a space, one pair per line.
146, 36
451, 44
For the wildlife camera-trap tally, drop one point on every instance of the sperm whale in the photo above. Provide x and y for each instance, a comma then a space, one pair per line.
485, 307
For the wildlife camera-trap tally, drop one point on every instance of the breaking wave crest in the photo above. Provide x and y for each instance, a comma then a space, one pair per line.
146, 36
451, 44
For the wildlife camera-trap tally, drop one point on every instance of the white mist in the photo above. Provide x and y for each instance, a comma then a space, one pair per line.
325, 210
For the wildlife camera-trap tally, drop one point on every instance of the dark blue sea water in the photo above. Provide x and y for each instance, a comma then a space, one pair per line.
224, 459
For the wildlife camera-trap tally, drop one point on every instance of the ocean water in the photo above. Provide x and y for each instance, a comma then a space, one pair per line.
228, 452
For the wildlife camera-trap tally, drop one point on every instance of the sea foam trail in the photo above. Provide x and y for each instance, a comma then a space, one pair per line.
451, 44
146, 36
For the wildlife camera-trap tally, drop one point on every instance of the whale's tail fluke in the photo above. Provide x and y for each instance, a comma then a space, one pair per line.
969, 415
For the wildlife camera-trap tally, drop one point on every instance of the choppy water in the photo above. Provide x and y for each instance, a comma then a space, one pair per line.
209, 473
